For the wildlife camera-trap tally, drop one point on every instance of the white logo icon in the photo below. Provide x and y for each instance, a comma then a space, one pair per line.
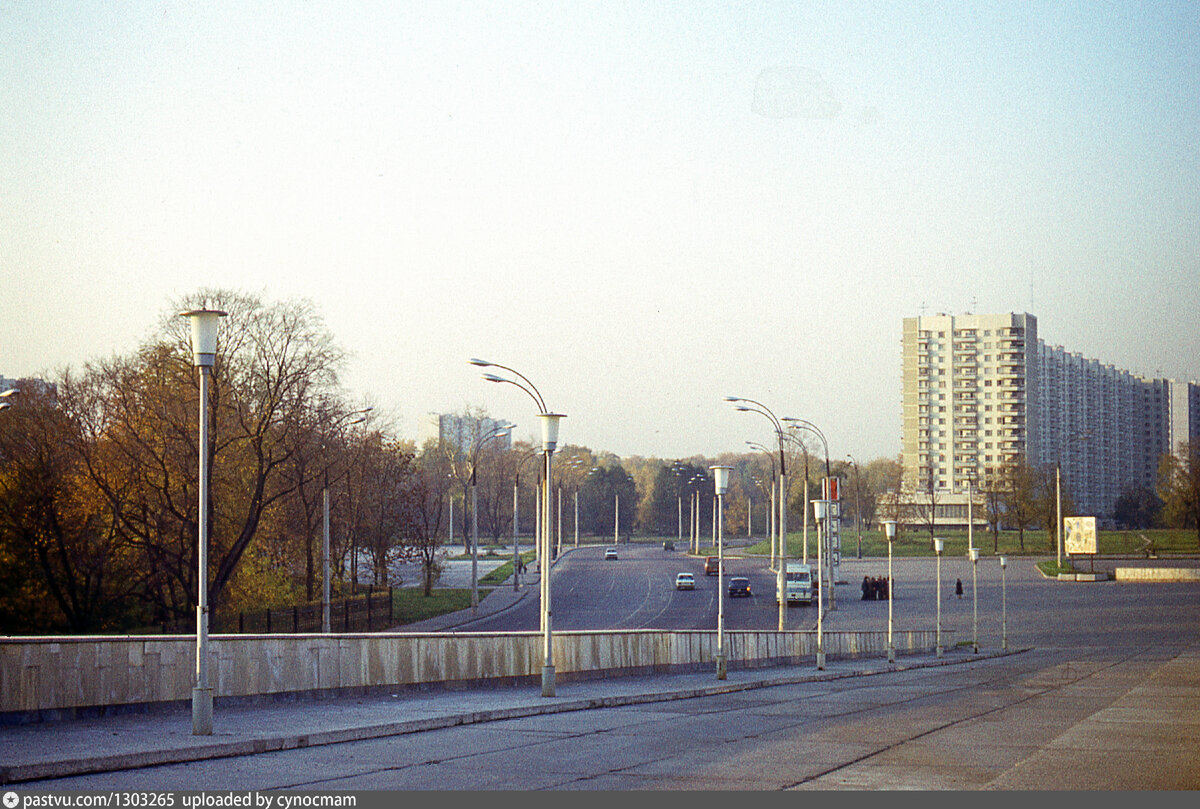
11, 800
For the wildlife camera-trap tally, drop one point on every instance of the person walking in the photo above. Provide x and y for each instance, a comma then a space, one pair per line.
958, 588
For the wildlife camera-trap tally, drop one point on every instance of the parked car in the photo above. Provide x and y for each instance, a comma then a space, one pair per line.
710, 566
685, 581
739, 586
610, 553
669, 545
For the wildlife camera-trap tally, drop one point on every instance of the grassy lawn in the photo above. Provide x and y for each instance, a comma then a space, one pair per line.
502, 573
411, 605
915, 543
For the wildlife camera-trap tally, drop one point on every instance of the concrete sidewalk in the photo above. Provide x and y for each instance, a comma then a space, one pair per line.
130, 741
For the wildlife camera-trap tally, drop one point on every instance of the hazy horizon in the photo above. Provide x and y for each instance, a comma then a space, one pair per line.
640, 209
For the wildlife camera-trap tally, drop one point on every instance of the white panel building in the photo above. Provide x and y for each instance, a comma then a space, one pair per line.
980, 391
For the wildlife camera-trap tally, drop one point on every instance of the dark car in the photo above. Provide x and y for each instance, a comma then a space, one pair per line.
739, 586
669, 545
710, 566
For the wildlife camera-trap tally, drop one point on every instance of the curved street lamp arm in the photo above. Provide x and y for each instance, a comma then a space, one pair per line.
532, 395
531, 390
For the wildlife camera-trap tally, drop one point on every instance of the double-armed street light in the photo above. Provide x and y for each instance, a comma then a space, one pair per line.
1003, 603
516, 518
857, 508
821, 512
497, 431
938, 547
889, 527
326, 622
204, 352
750, 406
1058, 529
6, 394
721, 486
974, 555
774, 474
550, 423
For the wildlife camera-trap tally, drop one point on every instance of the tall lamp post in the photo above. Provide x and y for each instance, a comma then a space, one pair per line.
938, 547
974, 554
857, 510
889, 527
820, 511
771, 522
804, 424
326, 622
499, 431
516, 509
204, 351
1003, 603
721, 486
550, 423
1084, 436
751, 406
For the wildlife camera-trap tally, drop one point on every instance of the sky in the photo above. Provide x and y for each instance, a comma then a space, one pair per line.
643, 207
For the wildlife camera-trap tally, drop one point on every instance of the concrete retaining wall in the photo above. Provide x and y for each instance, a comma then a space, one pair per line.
54, 677
1156, 574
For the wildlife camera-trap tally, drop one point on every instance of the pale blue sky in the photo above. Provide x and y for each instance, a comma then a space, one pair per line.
641, 206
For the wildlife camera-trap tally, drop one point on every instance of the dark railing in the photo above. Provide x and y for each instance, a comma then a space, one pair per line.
366, 613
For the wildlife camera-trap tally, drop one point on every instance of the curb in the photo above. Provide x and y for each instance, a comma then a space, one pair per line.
246, 747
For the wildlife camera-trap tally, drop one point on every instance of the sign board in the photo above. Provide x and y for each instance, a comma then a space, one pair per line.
1080, 534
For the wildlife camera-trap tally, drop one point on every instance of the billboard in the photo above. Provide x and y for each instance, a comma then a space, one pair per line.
1080, 534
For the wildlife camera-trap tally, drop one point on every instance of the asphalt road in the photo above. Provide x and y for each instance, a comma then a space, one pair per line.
1105, 695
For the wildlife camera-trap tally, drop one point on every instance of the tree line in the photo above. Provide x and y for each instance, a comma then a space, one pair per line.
99, 482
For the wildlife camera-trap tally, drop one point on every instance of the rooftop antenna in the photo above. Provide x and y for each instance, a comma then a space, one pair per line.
924, 307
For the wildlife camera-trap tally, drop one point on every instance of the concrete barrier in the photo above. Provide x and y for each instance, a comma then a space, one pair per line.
45, 678
1156, 574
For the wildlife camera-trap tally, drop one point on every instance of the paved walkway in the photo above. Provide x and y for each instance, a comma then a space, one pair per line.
131, 741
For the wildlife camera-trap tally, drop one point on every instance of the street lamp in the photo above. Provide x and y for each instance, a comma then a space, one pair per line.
325, 574
751, 406
549, 443
857, 512
974, 554
498, 431
774, 474
820, 511
1003, 603
1084, 436
889, 527
516, 514
204, 351
938, 547
721, 485
6, 394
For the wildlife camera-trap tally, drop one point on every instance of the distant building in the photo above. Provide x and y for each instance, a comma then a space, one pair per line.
460, 431
980, 391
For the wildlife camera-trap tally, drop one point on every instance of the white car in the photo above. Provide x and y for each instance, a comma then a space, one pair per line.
685, 581
610, 553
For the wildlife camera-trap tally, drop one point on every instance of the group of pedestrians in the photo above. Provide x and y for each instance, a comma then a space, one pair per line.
874, 588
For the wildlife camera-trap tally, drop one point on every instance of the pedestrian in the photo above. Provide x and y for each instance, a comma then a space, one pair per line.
958, 588
866, 588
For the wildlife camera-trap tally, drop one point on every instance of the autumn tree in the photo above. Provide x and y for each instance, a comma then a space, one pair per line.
1179, 487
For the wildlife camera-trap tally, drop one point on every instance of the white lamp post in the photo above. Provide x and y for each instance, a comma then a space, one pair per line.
974, 554
721, 485
938, 546
549, 442
889, 527
204, 352
1003, 603
820, 511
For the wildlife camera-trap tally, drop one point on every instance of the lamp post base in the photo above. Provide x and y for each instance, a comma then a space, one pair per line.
939, 650
547, 681
820, 661
891, 654
202, 711
721, 668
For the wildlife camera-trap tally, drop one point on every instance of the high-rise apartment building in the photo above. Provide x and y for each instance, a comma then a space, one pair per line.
980, 391
461, 431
